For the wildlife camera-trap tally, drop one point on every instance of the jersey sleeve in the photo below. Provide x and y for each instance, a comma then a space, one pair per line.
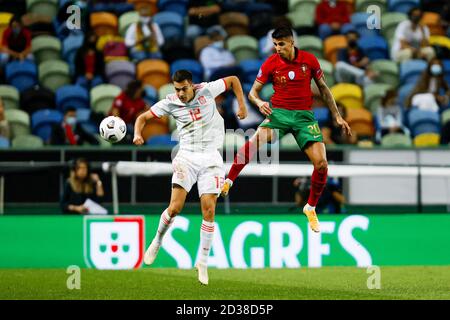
161, 108
264, 73
317, 72
216, 87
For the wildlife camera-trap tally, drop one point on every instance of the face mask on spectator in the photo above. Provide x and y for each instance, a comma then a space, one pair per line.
71, 121
218, 44
145, 20
436, 70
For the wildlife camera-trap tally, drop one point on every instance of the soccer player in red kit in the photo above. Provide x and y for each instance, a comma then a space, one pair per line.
290, 71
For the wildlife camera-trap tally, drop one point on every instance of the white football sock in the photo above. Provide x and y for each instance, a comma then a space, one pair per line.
164, 224
206, 238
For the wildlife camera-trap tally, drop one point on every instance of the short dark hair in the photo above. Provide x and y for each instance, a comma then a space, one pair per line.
132, 87
282, 32
15, 18
181, 75
70, 109
410, 11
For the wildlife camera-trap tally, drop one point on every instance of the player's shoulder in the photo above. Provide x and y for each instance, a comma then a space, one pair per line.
272, 59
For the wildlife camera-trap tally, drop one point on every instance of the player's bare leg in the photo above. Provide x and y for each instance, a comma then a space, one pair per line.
262, 136
177, 199
317, 154
208, 204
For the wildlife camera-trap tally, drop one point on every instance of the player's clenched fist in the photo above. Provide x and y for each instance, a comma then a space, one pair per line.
138, 140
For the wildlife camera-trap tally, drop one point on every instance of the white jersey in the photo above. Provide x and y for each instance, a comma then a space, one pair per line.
200, 126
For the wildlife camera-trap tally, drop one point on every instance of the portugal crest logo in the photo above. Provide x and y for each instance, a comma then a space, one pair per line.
291, 75
114, 242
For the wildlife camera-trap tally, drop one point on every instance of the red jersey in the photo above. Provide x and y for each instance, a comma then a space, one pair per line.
129, 109
291, 79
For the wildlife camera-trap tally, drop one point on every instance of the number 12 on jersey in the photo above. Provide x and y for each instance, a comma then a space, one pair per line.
195, 114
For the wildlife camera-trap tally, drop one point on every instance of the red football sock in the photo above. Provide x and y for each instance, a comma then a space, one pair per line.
318, 182
244, 155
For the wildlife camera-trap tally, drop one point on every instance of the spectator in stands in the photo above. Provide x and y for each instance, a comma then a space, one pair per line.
215, 56
332, 132
331, 17
389, 115
352, 65
16, 42
80, 186
411, 40
281, 21
69, 132
144, 38
432, 90
4, 125
331, 201
203, 14
89, 63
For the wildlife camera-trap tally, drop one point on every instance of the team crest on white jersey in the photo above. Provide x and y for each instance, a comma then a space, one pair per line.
291, 75
202, 100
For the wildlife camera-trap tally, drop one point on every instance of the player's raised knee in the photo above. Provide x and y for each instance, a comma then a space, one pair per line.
321, 165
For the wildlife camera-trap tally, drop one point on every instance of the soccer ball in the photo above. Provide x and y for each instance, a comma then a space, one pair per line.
113, 129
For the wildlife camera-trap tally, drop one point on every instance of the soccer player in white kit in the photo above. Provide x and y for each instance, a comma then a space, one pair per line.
201, 130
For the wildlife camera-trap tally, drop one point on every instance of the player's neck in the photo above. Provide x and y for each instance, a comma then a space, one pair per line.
292, 55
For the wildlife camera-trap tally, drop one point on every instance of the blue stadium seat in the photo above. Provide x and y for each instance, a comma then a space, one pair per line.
446, 64
188, 64
421, 121
151, 94
178, 6
374, 47
322, 115
402, 5
250, 69
21, 74
411, 70
42, 122
404, 92
170, 23
83, 115
4, 142
164, 140
359, 21
72, 96
70, 47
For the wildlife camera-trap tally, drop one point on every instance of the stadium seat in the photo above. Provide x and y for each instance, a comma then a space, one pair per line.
83, 115
411, 70
359, 20
36, 98
260, 18
170, 23
164, 140
322, 115
362, 5
126, 19
102, 97
233, 141
42, 122
243, 47
72, 96
4, 142
188, 64
361, 122
43, 7
177, 6
433, 21
267, 92
70, 47
19, 122
446, 63
387, 72
113, 48
389, 22
165, 90
403, 94
301, 19
4, 21
10, 96
27, 141
374, 47
120, 73
308, 6
421, 121
427, 140
21, 74
200, 43
151, 95
288, 142
373, 94
46, 48
154, 72
104, 23
394, 140
332, 45
312, 44
328, 71
54, 74
445, 116
402, 5
235, 23
152, 4
350, 95
250, 70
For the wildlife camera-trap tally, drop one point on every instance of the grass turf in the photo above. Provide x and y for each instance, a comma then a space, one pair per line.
418, 282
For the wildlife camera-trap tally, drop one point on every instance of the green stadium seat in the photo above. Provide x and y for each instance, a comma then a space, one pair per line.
54, 74
19, 122
445, 116
126, 19
311, 44
373, 94
389, 22
102, 97
10, 96
243, 47
28, 141
328, 71
387, 70
165, 90
301, 19
43, 7
396, 140
46, 48
362, 5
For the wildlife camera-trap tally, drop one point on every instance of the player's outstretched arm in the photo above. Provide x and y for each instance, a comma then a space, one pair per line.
234, 83
139, 125
254, 98
327, 96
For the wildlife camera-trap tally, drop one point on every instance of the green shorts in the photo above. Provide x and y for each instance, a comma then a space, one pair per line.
301, 123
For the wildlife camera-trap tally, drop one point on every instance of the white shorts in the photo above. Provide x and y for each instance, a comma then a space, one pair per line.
204, 168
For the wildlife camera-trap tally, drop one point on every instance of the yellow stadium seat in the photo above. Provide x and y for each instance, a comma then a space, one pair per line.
433, 21
440, 41
154, 72
350, 95
138, 4
4, 22
427, 140
331, 46
361, 122
104, 23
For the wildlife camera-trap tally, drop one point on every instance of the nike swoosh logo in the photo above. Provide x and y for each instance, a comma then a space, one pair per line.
315, 137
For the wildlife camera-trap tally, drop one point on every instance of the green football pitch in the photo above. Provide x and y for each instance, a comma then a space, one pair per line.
232, 284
